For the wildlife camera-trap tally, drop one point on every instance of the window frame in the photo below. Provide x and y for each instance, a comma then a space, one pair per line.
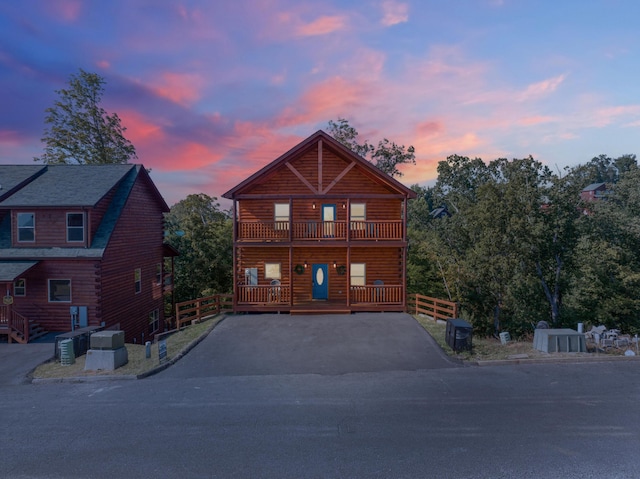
49, 290
271, 265
19, 228
251, 276
357, 221
363, 276
75, 228
17, 288
280, 222
137, 280
154, 320
159, 273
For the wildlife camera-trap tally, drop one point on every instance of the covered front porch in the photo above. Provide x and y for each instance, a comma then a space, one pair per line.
278, 297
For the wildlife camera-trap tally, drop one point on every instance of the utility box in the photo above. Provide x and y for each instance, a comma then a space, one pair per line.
459, 334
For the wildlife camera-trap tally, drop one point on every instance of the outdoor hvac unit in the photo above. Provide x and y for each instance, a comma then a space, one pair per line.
459, 334
67, 356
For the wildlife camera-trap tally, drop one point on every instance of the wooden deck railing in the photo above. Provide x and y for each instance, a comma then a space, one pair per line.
198, 309
14, 324
264, 294
377, 294
320, 230
434, 307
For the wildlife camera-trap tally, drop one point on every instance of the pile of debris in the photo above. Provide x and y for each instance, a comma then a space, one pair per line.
602, 339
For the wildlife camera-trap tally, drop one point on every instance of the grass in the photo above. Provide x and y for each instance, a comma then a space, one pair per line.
491, 349
138, 363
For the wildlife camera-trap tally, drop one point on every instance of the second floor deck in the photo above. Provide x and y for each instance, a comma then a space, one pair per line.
285, 231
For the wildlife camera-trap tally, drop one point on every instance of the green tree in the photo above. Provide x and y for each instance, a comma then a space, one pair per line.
80, 131
202, 233
387, 156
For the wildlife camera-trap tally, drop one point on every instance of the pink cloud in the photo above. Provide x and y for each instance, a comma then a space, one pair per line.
322, 26
66, 10
536, 120
181, 88
536, 90
9, 138
140, 130
394, 12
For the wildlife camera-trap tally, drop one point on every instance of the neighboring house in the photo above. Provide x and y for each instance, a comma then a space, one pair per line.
320, 229
82, 245
594, 192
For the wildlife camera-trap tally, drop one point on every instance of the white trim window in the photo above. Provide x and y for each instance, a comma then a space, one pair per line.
281, 216
26, 227
75, 227
358, 215
358, 274
272, 271
20, 287
59, 290
137, 280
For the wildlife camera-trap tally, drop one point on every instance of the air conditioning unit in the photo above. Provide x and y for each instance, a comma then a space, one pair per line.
459, 334
67, 356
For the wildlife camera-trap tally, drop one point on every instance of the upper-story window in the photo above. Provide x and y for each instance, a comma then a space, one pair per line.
26, 227
358, 215
75, 227
20, 287
281, 216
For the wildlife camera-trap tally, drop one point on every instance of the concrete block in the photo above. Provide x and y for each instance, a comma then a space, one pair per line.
106, 359
107, 340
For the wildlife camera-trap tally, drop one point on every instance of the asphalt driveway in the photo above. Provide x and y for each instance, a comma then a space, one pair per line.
274, 344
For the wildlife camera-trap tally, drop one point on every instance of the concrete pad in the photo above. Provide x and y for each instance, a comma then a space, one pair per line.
273, 344
105, 359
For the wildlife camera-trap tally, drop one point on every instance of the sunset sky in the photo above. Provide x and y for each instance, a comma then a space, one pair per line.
212, 90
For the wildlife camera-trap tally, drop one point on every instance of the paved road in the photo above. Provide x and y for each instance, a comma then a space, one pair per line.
193, 420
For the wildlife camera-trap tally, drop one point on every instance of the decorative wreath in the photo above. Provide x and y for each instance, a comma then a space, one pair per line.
342, 269
299, 269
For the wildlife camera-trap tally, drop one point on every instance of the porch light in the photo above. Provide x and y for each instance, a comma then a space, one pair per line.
335, 265
306, 265
313, 205
344, 205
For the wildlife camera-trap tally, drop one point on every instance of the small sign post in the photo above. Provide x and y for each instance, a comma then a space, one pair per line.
162, 350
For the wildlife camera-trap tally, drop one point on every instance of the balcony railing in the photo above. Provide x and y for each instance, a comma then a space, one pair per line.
320, 230
264, 294
377, 294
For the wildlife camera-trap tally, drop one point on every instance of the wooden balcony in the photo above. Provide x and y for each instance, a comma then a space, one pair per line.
270, 295
283, 231
377, 294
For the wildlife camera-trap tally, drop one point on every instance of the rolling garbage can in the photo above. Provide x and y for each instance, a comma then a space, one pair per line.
459, 335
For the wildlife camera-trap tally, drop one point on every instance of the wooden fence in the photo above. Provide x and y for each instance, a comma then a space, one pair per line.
201, 308
434, 307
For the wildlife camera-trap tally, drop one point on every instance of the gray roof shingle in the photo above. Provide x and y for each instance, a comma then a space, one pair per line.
63, 185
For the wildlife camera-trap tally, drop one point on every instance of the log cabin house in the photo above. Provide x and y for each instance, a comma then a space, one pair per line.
319, 229
82, 246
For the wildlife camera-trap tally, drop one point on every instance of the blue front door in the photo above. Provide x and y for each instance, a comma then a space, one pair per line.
320, 281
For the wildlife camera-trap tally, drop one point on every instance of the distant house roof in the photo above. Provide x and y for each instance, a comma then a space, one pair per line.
64, 185
335, 145
595, 186
440, 212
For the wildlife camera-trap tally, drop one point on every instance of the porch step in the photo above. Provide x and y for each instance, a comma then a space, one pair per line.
307, 311
36, 331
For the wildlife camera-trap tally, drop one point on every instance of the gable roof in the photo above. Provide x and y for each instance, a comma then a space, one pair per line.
279, 162
12, 177
595, 186
64, 185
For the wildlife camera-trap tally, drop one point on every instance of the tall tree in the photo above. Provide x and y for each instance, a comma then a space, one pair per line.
387, 156
202, 233
80, 131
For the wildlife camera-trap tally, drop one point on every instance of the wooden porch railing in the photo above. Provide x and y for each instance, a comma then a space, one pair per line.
198, 309
320, 230
264, 294
377, 294
14, 324
434, 307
